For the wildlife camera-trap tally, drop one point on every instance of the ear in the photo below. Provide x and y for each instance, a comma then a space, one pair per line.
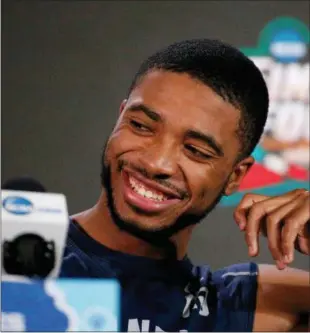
239, 172
122, 106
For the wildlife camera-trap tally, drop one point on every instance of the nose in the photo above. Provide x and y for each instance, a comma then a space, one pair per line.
160, 159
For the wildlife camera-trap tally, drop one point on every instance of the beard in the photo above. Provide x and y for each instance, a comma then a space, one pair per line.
158, 237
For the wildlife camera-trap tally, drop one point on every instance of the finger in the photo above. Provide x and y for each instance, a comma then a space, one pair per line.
240, 213
274, 245
303, 245
274, 239
256, 214
273, 226
253, 225
293, 223
255, 220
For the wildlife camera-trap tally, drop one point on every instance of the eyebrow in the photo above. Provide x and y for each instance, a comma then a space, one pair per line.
146, 110
208, 139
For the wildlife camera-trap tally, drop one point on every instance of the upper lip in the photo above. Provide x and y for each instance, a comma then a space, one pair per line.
154, 185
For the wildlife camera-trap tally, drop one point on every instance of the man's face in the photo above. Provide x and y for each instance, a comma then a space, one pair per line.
172, 152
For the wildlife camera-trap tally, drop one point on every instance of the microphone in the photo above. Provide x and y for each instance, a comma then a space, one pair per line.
23, 183
34, 229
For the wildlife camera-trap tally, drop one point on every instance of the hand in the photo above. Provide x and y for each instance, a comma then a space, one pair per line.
284, 219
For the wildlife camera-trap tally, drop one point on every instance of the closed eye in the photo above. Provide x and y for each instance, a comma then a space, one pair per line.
197, 153
139, 126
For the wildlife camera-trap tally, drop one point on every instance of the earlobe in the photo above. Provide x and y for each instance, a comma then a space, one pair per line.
231, 188
238, 174
122, 106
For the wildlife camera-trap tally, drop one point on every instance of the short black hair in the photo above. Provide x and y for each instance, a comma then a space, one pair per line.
228, 72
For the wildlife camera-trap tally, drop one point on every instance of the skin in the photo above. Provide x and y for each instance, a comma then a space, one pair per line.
283, 293
162, 146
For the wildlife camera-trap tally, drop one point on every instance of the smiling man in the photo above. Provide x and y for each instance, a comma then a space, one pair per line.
193, 115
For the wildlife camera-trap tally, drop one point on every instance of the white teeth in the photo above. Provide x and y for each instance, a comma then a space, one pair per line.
132, 181
137, 187
140, 190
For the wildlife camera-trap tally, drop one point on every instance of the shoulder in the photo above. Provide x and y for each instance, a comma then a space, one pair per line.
234, 291
237, 286
75, 260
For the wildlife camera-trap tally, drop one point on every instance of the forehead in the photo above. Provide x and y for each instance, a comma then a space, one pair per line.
184, 101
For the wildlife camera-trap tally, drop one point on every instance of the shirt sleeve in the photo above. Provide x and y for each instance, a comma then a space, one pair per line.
236, 288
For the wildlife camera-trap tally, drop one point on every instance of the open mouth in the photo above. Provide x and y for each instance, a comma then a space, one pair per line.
146, 191
144, 196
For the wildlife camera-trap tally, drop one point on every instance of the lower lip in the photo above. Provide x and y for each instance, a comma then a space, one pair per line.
144, 204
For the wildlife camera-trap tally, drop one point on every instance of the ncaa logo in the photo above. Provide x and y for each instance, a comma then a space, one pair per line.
287, 45
17, 205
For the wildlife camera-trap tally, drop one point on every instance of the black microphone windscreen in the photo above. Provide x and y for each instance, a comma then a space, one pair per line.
24, 183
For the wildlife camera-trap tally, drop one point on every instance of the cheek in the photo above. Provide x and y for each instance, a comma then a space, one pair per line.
123, 140
207, 183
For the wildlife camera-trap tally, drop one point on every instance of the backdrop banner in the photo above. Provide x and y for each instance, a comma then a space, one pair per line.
282, 157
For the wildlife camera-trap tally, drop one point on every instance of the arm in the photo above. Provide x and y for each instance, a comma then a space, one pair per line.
283, 299
283, 296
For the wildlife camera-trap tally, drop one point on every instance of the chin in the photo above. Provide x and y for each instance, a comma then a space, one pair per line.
143, 220
150, 227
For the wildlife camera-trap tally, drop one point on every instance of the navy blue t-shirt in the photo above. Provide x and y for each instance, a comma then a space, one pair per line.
160, 296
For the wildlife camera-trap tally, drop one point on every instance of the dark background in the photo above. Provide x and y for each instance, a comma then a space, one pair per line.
66, 67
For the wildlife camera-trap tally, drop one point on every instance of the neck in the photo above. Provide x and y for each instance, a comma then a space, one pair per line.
98, 223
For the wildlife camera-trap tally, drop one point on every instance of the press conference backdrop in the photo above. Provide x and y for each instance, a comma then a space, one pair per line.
66, 67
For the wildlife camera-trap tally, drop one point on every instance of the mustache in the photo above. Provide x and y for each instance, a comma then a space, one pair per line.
122, 163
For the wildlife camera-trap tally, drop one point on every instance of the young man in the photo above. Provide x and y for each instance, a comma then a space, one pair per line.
184, 138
